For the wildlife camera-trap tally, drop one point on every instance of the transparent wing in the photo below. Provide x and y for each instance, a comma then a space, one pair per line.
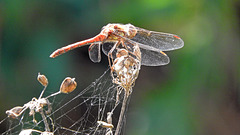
107, 46
153, 58
94, 52
150, 56
158, 40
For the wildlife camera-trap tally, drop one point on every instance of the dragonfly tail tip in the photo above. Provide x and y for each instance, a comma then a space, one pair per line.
52, 56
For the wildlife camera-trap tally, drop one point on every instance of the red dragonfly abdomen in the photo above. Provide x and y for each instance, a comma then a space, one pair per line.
98, 38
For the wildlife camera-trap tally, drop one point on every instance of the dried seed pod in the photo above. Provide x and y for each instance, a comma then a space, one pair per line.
42, 79
68, 85
14, 112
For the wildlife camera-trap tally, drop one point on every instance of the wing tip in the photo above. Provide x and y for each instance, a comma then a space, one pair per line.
181, 42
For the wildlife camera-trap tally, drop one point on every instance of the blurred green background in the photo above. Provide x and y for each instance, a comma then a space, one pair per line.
196, 94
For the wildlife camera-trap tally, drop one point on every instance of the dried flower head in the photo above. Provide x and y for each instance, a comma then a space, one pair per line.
14, 112
42, 79
68, 85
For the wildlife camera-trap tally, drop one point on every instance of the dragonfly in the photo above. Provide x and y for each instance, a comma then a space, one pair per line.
152, 44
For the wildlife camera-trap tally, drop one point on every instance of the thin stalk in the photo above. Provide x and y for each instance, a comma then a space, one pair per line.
118, 129
42, 92
45, 121
54, 94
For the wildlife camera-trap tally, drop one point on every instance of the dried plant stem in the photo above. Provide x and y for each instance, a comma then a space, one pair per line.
45, 121
54, 94
118, 129
42, 92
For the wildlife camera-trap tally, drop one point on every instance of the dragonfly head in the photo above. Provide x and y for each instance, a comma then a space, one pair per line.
132, 31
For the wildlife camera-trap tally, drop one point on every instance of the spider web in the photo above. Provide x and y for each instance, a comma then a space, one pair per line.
79, 112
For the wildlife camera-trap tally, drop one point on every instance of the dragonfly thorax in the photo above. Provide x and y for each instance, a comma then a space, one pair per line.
117, 31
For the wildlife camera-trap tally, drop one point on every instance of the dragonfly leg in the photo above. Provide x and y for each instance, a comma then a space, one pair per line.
110, 54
